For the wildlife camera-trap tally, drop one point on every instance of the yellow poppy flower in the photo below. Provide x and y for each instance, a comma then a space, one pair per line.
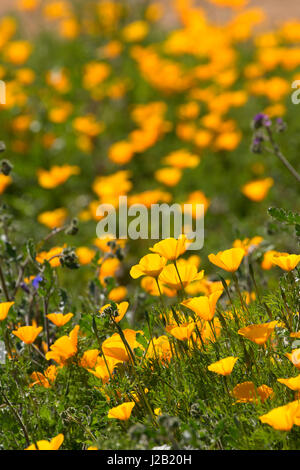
257, 190
89, 359
46, 379
203, 306
53, 219
168, 176
4, 309
293, 383
56, 175
122, 309
246, 392
85, 254
181, 332
121, 152
283, 417
160, 348
64, 347
286, 262
187, 272
54, 444
224, 366
59, 319
104, 368
5, 180
114, 346
27, 334
294, 357
122, 412
118, 293
229, 260
260, 333
149, 265
171, 248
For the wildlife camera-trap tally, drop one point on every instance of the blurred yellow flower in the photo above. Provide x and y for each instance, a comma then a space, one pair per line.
54, 218
257, 190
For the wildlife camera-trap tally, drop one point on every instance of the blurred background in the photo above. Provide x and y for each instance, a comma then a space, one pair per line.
276, 10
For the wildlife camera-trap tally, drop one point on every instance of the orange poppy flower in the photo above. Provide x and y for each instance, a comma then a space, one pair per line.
46, 379
286, 262
293, 383
59, 319
187, 272
122, 412
4, 309
122, 309
224, 366
64, 347
229, 260
149, 265
204, 306
181, 332
54, 444
260, 333
171, 248
27, 334
246, 392
283, 418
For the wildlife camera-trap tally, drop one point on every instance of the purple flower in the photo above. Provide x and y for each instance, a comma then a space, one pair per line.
261, 120
36, 281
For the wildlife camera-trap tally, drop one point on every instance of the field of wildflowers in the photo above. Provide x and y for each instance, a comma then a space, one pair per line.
112, 343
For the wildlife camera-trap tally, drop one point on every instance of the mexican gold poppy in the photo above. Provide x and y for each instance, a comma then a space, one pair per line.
294, 357
54, 444
246, 392
114, 346
224, 366
149, 265
293, 383
171, 248
181, 332
64, 347
168, 176
59, 319
229, 260
203, 306
187, 273
104, 368
89, 358
283, 417
122, 412
257, 190
46, 379
27, 334
160, 348
260, 333
121, 310
4, 309
56, 175
286, 262
52, 219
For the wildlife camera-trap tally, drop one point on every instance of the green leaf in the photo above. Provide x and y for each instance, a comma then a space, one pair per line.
284, 216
